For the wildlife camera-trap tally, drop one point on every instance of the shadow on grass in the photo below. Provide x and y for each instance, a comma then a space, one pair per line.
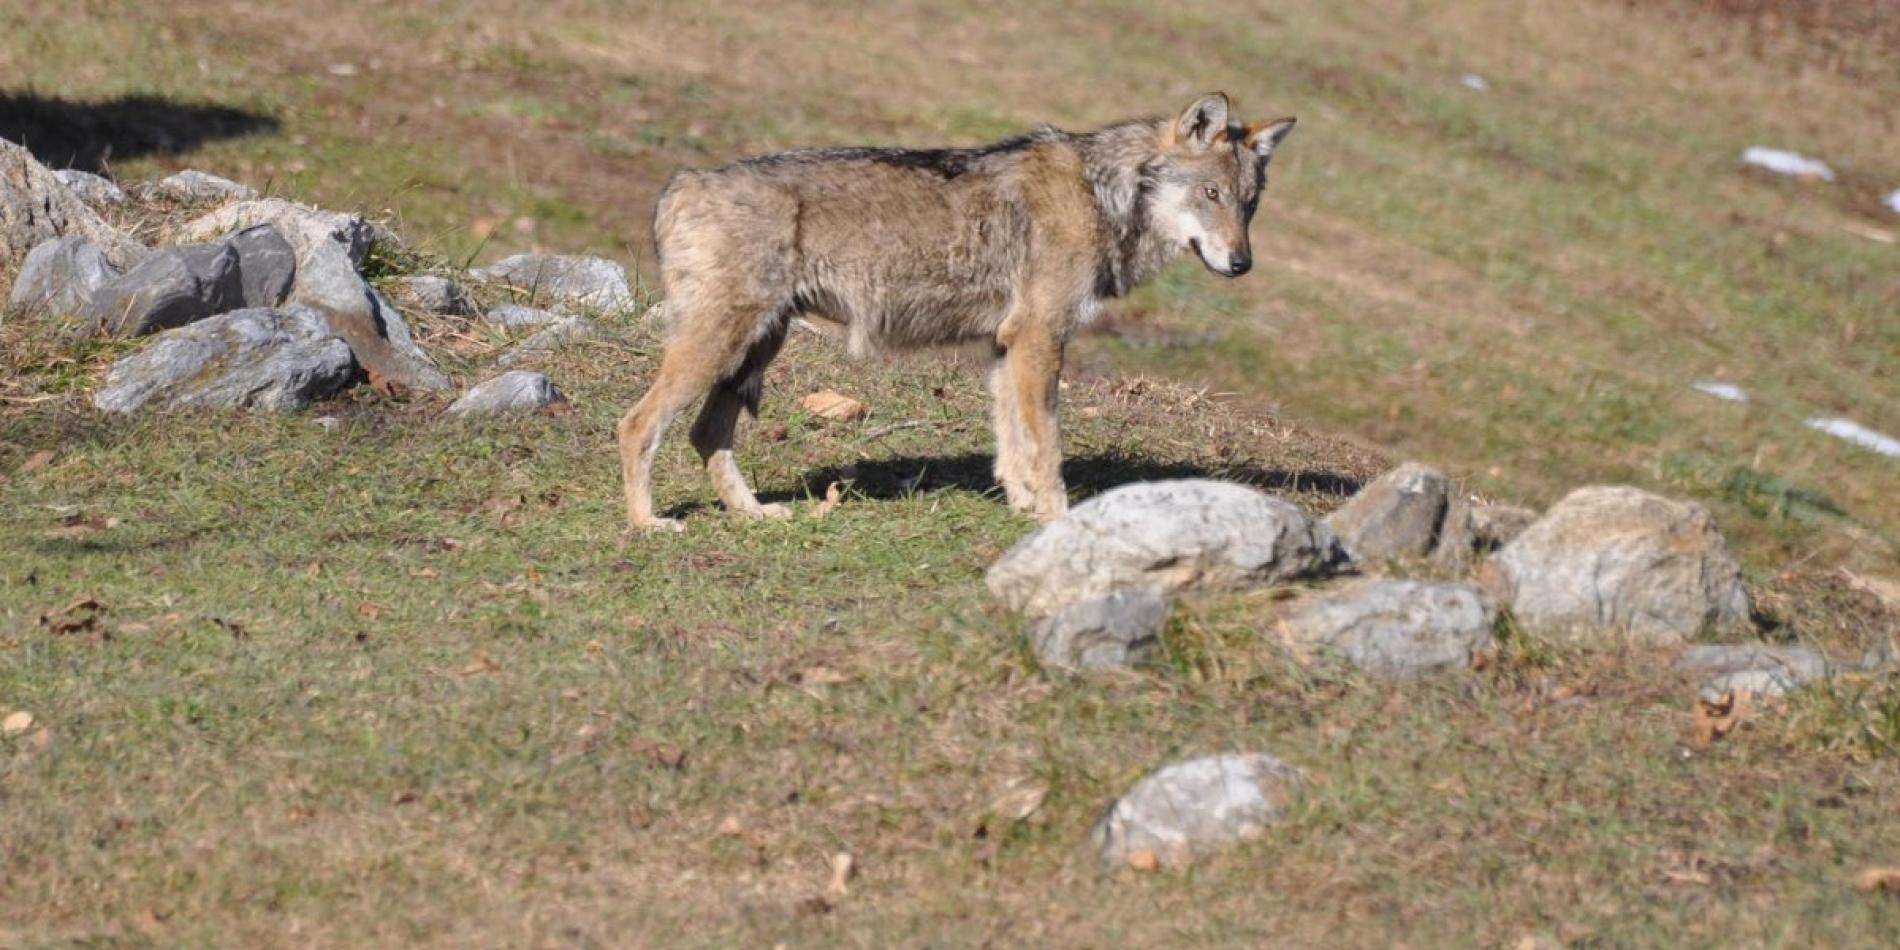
887, 479
88, 135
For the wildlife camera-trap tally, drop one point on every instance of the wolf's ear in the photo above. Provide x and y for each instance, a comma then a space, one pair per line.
1262, 137
1202, 122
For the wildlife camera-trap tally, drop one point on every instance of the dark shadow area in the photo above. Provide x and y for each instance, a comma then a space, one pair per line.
886, 479
89, 135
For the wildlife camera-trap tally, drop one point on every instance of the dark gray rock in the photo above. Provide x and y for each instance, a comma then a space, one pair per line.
35, 207
92, 189
1162, 536
59, 278
514, 391
435, 294
515, 315
1114, 631
178, 285
1399, 515
1398, 628
557, 335
192, 186
1188, 809
1620, 561
265, 359
589, 281
1762, 670
1495, 525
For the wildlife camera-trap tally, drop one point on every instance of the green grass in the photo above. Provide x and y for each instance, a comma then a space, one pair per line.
403, 682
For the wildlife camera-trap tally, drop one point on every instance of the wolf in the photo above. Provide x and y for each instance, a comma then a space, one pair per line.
1013, 245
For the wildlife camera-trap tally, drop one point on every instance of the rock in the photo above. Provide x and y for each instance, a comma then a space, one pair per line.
35, 207
192, 186
1784, 162
557, 335
178, 285
306, 228
514, 391
590, 281
1760, 669
1473, 528
268, 359
381, 340
1113, 631
1162, 536
1493, 526
1397, 516
1620, 560
1189, 809
59, 278
92, 189
1398, 628
436, 294
515, 315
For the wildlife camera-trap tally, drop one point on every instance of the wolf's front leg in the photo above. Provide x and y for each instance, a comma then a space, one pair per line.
1033, 364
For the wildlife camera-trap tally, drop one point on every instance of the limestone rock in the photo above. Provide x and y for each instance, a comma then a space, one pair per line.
1398, 628
589, 281
514, 391
1188, 809
1398, 515
1114, 631
265, 359
59, 278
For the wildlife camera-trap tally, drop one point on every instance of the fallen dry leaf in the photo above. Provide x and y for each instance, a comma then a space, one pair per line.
842, 867
1020, 799
37, 461
1716, 719
1886, 880
833, 494
1144, 860
834, 405
776, 432
16, 723
661, 753
482, 665
368, 610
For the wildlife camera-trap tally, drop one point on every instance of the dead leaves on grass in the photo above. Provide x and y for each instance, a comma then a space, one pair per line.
1715, 719
1879, 880
834, 406
834, 494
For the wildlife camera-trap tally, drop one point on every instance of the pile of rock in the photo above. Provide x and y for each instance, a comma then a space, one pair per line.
260, 302
1605, 566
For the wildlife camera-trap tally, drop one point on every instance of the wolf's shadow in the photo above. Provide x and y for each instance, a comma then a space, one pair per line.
63, 133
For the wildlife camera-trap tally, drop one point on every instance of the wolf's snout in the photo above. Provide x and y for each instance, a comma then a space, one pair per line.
1239, 263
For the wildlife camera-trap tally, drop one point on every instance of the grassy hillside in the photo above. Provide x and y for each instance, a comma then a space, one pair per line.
408, 682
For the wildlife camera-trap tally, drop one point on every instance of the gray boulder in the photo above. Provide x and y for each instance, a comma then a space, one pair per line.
1113, 631
514, 391
59, 278
1189, 809
562, 333
267, 359
589, 281
1162, 536
1760, 669
92, 189
192, 186
35, 207
1398, 628
1399, 515
514, 315
435, 294
178, 285
1495, 525
1618, 560
303, 226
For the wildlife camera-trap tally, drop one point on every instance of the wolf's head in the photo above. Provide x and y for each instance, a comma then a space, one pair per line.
1208, 182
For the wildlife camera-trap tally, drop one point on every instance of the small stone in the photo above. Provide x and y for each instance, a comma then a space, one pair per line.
1185, 810
437, 294
589, 281
59, 278
514, 391
1114, 631
192, 186
1163, 536
557, 335
16, 723
1398, 628
515, 315
1762, 670
1399, 515
92, 189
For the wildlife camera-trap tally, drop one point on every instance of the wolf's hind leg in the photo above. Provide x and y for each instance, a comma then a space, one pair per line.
715, 432
1010, 444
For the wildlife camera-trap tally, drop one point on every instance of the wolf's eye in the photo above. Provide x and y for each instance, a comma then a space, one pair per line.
1212, 193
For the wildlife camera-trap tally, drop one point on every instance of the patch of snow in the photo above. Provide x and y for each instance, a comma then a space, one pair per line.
1787, 163
1858, 434
1728, 391
1473, 81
